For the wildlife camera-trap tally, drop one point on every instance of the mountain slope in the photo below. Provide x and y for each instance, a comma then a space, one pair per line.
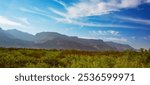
46, 36
8, 40
63, 44
120, 47
21, 35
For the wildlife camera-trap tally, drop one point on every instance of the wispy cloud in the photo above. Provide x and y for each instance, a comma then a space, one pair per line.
122, 39
19, 23
114, 39
28, 10
92, 8
61, 3
133, 37
24, 20
7, 22
99, 7
91, 24
103, 33
148, 1
135, 20
37, 11
107, 35
58, 12
68, 20
146, 38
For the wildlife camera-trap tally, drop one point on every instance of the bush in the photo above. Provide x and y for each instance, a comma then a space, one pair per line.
40, 58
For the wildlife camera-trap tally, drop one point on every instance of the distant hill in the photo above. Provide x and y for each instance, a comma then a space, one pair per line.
59, 41
53, 40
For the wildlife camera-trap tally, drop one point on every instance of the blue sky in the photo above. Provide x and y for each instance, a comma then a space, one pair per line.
122, 21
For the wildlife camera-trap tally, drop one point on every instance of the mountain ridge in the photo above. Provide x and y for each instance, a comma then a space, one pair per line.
19, 34
53, 40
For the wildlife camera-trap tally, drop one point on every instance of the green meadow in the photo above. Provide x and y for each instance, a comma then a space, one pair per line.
42, 58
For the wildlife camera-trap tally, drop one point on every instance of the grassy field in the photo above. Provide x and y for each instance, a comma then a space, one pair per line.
40, 58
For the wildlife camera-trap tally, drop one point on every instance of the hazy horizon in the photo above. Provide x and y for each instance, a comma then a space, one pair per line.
121, 21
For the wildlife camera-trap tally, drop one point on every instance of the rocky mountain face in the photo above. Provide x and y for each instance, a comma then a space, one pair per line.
52, 40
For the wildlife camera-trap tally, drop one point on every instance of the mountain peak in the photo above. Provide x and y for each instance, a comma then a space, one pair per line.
21, 35
15, 30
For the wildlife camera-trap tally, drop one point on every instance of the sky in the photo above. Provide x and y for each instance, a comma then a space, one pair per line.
121, 21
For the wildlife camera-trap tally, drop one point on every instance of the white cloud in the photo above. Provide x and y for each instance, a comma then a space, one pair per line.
86, 8
135, 20
27, 10
24, 20
18, 24
129, 3
90, 24
114, 39
133, 37
7, 22
148, 1
108, 33
114, 32
146, 38
37, 11
68, 19
61, 3
89, 8
99, 7
117, 39
58, 12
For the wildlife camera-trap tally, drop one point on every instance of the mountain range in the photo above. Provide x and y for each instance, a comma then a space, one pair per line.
53, 40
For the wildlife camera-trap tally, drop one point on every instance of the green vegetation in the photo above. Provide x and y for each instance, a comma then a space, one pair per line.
40, 58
